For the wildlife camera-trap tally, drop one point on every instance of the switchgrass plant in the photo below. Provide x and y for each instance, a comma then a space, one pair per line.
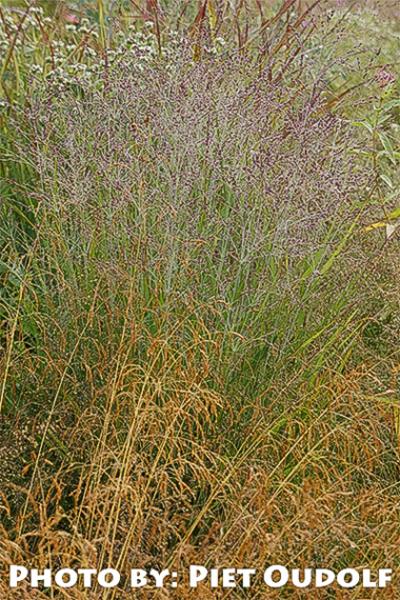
199, 360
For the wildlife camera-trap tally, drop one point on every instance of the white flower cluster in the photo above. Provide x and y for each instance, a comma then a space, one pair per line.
65, 54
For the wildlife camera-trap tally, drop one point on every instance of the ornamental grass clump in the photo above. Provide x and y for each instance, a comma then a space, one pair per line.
188, 365
205, 181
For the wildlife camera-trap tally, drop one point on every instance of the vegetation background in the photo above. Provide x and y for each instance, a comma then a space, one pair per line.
199, 301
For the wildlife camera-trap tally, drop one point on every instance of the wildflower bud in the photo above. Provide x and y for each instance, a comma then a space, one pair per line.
71, 18
384, 77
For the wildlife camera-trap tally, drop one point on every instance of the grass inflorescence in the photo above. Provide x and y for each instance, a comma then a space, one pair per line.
198, 305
